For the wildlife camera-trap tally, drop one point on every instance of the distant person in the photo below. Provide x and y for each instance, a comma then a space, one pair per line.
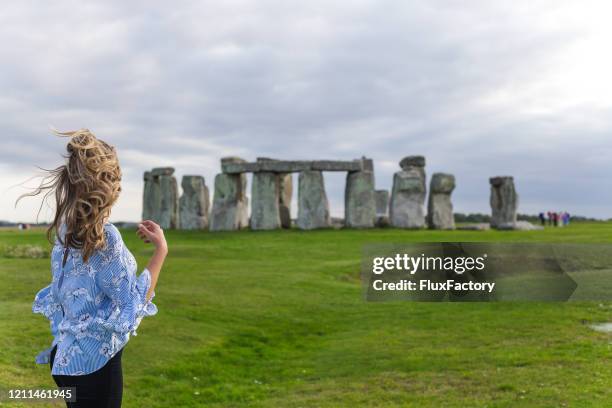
95, 300
542, 218
550, 217
555, 219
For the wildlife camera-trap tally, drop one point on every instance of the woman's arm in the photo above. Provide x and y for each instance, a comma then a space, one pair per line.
149, 231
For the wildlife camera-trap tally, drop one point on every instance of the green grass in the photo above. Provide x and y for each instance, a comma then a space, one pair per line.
277, 319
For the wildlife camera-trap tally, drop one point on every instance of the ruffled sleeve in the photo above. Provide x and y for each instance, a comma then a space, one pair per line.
128, 292
45, 304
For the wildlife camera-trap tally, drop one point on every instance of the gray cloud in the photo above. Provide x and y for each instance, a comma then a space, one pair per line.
481, 90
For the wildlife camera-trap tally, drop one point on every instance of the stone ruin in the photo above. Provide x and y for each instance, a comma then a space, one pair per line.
504, 206
160, 197
272, 190
194, 203
360, 203
439, 207
504, 202
230, 210
407, 205
161, 202
313, 206
271, 194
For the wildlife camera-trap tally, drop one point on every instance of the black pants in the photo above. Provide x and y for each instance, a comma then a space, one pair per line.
101, 389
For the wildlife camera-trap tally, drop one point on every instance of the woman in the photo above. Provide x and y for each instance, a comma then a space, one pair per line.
95, 300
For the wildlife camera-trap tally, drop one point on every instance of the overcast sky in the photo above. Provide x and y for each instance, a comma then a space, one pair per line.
481, 88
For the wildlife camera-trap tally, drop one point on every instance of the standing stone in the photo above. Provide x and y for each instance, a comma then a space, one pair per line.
504, 201
160, 197
381, 197
148, 206
285, 190
313, 207
407, 207
285, 194
439, 207
194, 203
151, 200
359, 203
230, 203
265, 214
168, 210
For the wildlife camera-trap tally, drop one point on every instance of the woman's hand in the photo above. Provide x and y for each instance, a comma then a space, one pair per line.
149, 231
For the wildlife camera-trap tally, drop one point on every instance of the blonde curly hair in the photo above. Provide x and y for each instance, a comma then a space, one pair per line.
85, 189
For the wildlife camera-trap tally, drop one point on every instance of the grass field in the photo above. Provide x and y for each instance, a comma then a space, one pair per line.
277, 319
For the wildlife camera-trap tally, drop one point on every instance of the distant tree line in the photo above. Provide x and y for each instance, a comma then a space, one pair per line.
485, 218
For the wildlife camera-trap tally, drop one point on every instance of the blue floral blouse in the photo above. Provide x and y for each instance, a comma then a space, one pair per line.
93, 306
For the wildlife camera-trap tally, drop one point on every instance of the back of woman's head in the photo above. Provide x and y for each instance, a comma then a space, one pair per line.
85, 188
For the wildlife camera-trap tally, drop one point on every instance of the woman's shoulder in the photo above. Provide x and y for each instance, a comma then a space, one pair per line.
112, 235
111, 230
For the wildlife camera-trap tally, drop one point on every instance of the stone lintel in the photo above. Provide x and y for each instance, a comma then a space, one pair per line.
236, 168
292, 166
336, 165
162, 171
499, 180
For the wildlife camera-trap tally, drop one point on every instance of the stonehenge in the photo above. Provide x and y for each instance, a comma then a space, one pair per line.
504, 202
439, 206
160, 197
271, 194
407, 205
272, 190
194, 203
